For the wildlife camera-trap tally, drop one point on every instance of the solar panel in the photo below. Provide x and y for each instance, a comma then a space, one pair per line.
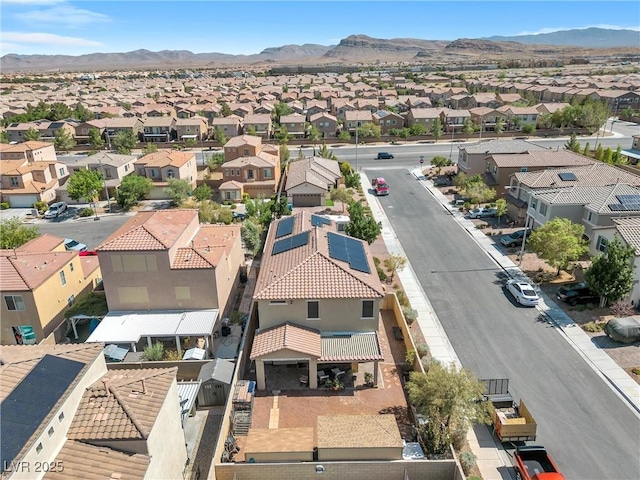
624, 199
616, 207
31, 401
567, 176
318, 221
347, 249
285, 227
287, 244
337, 247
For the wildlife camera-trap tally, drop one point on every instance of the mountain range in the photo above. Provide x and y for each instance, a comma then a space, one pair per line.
354, 48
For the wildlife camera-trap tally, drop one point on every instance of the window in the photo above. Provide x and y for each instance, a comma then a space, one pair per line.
63, 279
14, 181
71, 266
71, 300
313, 310
524, 169
154, 172
602, 245
61, 171
495, 169
51, 430
367, 309
590, 217
534, 203
250, 174
246, 152
277, 302
227, 195
267, 173
14, 302
488, 167
39, 448
61, 417
543, 209
171, 173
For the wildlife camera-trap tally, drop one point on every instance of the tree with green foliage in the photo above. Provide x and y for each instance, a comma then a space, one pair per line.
178, 190
573, 144
190, 143
607, 157
440, 161
125, 141
501, 208
14, 233
259, 210
611, 274
225, 110
342, 195
282, 135
598, 154
529, 128
251, 233
313, 133
225, 215
279, 207
95, 139
586, 151
449, 398
516, 123
220, 137
559, 242
285, 154
591, 115
480, 193
361, 225
125, 106
85, 184
4, 137
133, 188
468, 128
394, 263
324, 152
63, 141
616, 158
154, 352
31, 135
280, 109
344, 135
436, 129
82, 113
369, 130
149, 147
499, 127
203, 192
59, 111
417, 129
215, 160
251, 130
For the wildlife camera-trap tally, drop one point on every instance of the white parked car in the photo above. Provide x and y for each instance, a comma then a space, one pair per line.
482, 212
523, 292
55, 210
74, 245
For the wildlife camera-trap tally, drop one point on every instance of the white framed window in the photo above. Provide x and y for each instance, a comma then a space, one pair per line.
14, 303
39, 448
602, 244
524, 169
71, 300
277, 302
71, 266
534, 203
367, 309
171, 173
14, 181
50, 431
267, 173
313, 310
590, 218
543, 209
63, 278
61, 417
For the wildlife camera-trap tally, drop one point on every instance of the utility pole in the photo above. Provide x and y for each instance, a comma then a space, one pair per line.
453, 131
356, 145
104, 179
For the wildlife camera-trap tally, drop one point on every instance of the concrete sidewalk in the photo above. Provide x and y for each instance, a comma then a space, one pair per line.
491, 458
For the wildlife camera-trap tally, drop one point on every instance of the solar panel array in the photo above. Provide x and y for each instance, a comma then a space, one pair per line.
627, 203
31, 401
285, 226
567, 176
347, 249
318, 221
290, 243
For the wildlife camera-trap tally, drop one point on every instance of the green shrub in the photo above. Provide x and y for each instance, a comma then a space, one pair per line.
635, 371
410, 356
593, 327
233, 206
154, 353
458, 438
402, 298
4, 205
376, 261
409, 314
381, 275
468, 461
172, 356
86, 212
422, 349
41, 206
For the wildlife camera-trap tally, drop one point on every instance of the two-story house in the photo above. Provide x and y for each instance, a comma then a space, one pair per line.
472, 158
518, 117
260, 124
486, 118
39, 281
159, 129
231, 126
387, 121
453, 120
250, 167
326, 123
24, 183
422, 116
193, 128
113, 126
633, 153
318, 298
29, 151
309, 179
163, 165
354, 119
316, 106
295, 124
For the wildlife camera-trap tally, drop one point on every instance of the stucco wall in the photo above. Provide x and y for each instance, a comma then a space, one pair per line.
336, 315
355, 454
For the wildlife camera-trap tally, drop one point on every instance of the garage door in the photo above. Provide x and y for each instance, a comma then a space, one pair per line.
307, 200
22, 201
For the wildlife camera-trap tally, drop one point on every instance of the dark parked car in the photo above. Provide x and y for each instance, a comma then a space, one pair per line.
384, 156
574, 293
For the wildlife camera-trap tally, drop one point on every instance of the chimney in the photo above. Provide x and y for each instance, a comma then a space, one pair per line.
144, 386
105, 382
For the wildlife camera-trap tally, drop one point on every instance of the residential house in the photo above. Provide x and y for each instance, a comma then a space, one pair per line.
453, 120
518, 117
340, 106
310, 179
82, 130
211, 111
354, 119
163, 165
159, 110
295, 124
159, 129
325, 123
618, 100
23, 183
387, 121
109, 111
633, 153
39, 281
113, 126
193, 128
318, 298
549, 108
486, 118
114, 167
423, 116
231, 125
507, 98
241, 109
29, 151
260, 123
264, 107
316, 106
250, 167
372, 104
472, 159
45, 128
167, 260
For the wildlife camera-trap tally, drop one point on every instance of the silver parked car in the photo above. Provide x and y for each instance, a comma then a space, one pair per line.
74, 245
523, 292
55, 210
482, 212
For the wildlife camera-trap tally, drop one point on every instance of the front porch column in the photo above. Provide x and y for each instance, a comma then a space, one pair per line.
313, 373
178, 346
375, 373
262, 384
149, 342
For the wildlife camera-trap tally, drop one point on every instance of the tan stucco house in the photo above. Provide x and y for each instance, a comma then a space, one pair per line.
163, 165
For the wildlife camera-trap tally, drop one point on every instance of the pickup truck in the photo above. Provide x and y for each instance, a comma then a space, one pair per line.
511, 422
534, 463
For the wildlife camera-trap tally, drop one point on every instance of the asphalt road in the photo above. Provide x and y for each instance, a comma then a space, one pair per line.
588, 430
88, 231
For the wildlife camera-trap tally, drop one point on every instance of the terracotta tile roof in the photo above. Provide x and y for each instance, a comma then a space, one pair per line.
286, 337
82, 461
24, 146
541, 158
629, 230
263, 159
43, 243
157, 230
596, 174
318, 171
166, 158
322, 115
278, 440
24, 270
310, 272
125, 407
597, 199
16, 361
358, 431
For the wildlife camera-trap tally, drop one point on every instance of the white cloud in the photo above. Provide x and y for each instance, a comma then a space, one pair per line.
48, 39
559, 29
63, 15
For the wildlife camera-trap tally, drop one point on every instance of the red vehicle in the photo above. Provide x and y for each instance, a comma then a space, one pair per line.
534, 463
380, 186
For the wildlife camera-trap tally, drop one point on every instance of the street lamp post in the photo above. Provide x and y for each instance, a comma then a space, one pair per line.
526, 222
453, 131
356, 146
106, 190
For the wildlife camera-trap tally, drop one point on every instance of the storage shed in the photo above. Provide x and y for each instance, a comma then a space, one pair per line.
279, 445
216, 377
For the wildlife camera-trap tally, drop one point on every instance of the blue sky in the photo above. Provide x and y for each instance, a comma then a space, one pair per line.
240, 27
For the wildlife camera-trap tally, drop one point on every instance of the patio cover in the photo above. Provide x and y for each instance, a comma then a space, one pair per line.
355, 347
631, 153
129, 327
187, 394
114, 352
